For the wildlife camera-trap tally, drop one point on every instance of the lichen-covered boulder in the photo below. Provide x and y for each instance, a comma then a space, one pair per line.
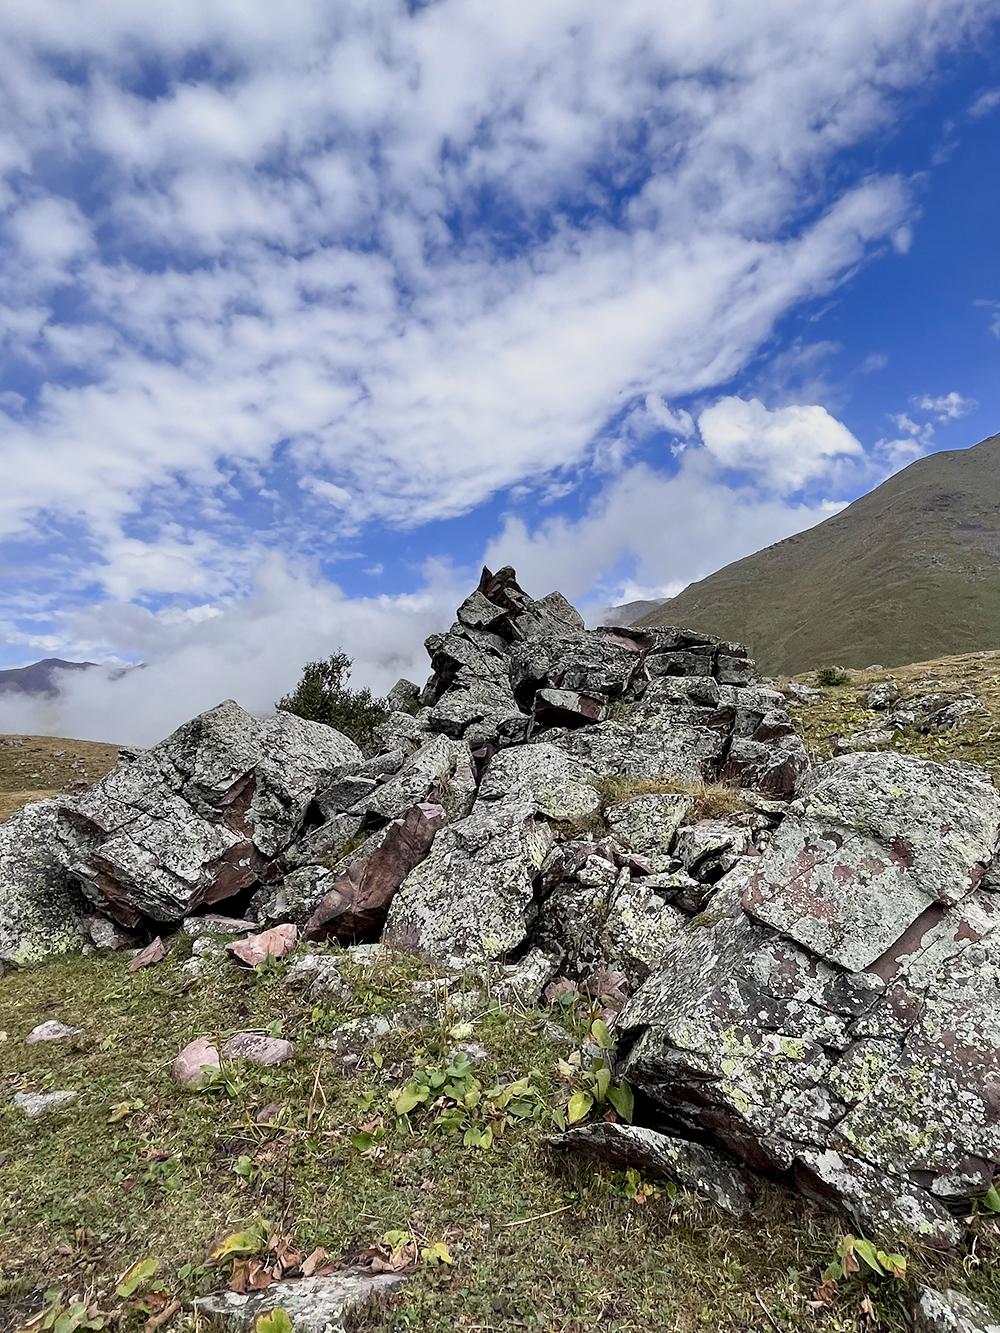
560, 786
196, 818
872, 842
41, 910
861, 1064
648, 824
951, 1312
472, 898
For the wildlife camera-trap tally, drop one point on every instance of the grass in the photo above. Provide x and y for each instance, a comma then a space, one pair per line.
712, 800
840, 710
84, 1195
33, 767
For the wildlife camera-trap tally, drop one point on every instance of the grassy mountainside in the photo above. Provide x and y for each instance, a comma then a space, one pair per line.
33, 767
907, 573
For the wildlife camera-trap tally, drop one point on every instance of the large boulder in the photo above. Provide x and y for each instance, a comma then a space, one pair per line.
41, 909
195, 819
472, 898
833, 1015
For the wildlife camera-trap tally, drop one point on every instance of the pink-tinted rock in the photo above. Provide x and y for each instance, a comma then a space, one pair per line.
273, 943
261, 1050
195, 1062
359, 901
152, 954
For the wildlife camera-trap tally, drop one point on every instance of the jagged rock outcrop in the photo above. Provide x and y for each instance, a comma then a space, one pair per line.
805, 968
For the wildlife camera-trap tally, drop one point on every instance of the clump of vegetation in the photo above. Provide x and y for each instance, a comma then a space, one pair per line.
712, 800
831, 675
323, 695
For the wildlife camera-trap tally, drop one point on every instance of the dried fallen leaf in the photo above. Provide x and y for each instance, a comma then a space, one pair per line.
313, 1261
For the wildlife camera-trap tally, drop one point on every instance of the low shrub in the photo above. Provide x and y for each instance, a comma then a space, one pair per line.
831, 675
323, 695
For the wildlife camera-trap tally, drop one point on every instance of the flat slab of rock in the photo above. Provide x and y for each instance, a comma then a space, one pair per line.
52, 1030
691, 1165
648, 824
154, 953
37, 1104
213, 924
871, 842
259, 1049
951, 1312
560, 785
313, 1304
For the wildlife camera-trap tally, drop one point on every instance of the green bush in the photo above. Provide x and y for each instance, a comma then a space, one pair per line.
832, 676
323, 695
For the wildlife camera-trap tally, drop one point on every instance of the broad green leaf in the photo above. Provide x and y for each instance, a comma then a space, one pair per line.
559, 1118
362, 1141
603, 1082
273, 1321
601, 1033
135, 1276
866, 1251
894, 1264
407, 1098
622, 1100
991, 1199
438, 1253
579, 1105
242, 1243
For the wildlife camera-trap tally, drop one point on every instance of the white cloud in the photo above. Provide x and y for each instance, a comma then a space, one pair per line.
951, 406
304, 287
252, 650
985, 102
787, 447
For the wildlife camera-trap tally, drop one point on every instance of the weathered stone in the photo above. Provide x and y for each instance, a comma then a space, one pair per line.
36, 1104
472, 896
559, 785
951, 1312
710, 848
105, 934
214, 924
692, 662
691, 1165
731, 669
52, 1030
198, 1061
403, 695
273, 943
358, 902
649, 824
874, 840
313, 1304
774, 767
154, 953
258, 1049
881, 697
40, 907
567, 708
866, 740
440, 772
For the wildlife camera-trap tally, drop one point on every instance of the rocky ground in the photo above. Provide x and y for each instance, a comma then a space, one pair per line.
587, 997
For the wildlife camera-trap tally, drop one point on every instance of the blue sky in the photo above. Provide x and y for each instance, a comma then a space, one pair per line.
306, 313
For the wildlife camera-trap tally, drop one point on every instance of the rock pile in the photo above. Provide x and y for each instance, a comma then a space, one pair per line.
801, 960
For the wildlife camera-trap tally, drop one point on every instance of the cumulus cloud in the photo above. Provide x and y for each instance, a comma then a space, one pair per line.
786, 447
949, 407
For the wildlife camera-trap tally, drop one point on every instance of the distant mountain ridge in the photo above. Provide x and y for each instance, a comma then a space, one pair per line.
37, 678
910, 571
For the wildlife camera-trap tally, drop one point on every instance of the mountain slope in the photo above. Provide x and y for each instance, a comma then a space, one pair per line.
38, 677
909, 572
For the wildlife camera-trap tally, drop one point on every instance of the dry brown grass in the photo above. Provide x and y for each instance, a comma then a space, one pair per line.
712, 800
33, 767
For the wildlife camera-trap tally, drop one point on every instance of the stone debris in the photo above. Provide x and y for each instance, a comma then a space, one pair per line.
881, 697
951, 1312
273, 943
691, 1165
36, 1104
213, 924
313, 1304
152, 954
197, 1062
258, 1048
52, 1030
